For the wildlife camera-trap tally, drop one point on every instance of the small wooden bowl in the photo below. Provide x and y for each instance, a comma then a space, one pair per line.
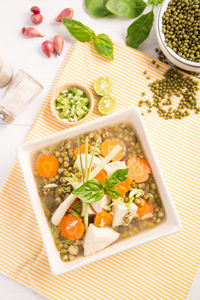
64, 87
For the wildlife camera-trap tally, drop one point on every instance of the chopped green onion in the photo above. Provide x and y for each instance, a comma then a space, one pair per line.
72, 104
86, 158
85, 205
74, 213
86, 215
77, 205
92, 157
80, 157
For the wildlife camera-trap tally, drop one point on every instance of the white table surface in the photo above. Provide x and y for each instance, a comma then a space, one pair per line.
24, 53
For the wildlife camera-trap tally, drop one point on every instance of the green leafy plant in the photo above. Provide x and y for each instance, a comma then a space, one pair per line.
140, 29
92, 190
102, 43
126, 8
97, 8
117, 177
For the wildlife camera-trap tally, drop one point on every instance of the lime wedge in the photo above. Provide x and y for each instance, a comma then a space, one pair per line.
103, 86
107, 105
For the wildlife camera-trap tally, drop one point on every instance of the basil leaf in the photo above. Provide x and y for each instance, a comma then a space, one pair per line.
90, 191
154, 2
78, 30
116, 178
126, 8
139, 30
106, 184
103, 45
97, 8
113, 193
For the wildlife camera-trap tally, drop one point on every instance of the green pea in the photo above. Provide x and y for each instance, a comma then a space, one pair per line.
65, 164
57, 153
63, 251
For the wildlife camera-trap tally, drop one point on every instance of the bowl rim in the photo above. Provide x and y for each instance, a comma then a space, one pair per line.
161, 35
171, 224
63, 87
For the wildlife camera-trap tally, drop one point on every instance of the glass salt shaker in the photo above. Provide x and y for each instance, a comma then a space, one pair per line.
21, 90
6, 73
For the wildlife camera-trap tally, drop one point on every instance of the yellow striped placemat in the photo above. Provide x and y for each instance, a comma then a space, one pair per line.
163, 269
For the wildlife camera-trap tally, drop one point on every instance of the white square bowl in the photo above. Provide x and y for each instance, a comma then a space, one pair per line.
170, 225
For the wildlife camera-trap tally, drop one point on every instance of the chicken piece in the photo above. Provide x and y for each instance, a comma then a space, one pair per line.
99, 205
114, 166
91, 212
96, 160
97, 239
122, 215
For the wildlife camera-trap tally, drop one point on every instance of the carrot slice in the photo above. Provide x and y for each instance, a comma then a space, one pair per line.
103, 219
108, 145
139, 169
147, 208
124, 187
101, 176
71, 227
82, 149
47, 166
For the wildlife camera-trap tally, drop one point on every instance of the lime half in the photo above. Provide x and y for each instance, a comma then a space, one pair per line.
103, 86
107, 105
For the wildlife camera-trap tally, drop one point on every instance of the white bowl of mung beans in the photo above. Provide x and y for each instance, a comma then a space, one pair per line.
169, 42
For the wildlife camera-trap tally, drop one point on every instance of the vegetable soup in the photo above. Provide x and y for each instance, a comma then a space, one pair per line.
96, 189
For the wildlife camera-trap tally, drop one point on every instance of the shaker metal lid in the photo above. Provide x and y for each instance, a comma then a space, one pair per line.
5, 115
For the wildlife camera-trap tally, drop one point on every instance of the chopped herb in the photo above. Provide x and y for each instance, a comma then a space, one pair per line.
74, 213
77, 205
72, 104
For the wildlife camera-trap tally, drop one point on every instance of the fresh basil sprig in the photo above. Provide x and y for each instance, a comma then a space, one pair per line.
92, 190
78, 30
113, 193
97, 8
116, 178
139, 30
102, 43
126, 8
